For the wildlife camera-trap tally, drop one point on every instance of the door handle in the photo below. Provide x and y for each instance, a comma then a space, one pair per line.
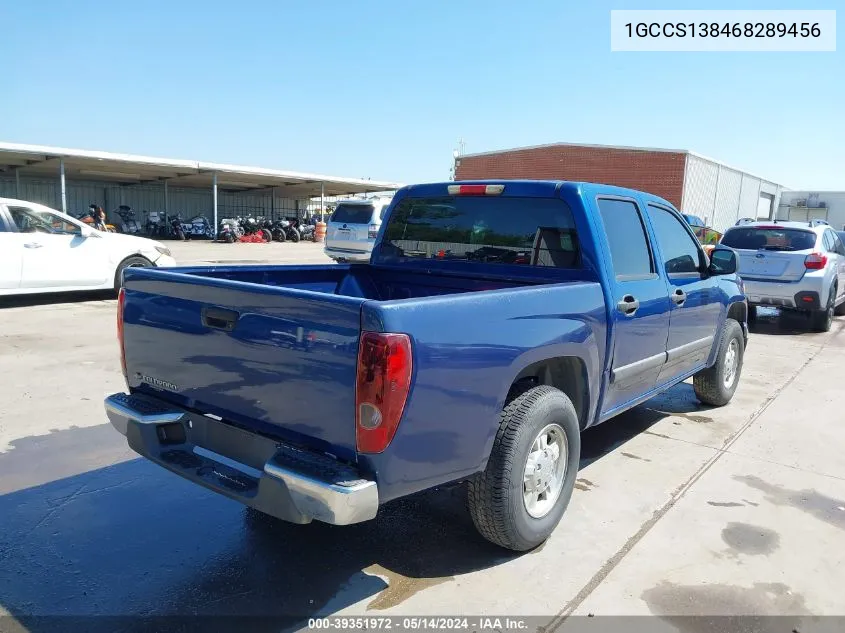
33, 245
679, 297
628, 305
219, 319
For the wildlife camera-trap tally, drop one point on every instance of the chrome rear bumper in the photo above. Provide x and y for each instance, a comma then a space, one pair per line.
281, 480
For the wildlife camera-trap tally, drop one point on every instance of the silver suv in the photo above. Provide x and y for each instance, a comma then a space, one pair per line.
352, 230
791, 265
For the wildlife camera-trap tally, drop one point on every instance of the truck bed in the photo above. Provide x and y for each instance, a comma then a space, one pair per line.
272, 349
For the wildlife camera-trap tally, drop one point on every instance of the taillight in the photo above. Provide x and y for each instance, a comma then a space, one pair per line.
373, 232
475, 190
382, 385
815, 261
121, 301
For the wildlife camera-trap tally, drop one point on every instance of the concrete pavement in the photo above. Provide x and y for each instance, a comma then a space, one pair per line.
679, 509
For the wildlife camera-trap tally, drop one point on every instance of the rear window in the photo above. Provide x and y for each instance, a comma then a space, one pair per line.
770, 239
516, 231
353, 213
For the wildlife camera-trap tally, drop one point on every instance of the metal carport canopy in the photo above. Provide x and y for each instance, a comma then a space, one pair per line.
40, 161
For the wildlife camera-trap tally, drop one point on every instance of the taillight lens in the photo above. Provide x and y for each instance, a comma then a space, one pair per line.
475, 190
121, 301
373, 232
382, 385
815, 261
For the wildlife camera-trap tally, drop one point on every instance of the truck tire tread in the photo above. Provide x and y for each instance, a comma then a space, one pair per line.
708, 384
490, 495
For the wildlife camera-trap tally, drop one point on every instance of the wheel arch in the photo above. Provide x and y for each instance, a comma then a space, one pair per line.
569, 374
117, 269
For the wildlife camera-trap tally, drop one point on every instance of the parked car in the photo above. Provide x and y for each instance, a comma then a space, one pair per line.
707, 236
43, 250
352, 229
422, 371
793, 266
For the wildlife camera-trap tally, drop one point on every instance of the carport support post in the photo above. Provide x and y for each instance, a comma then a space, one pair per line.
17, 183
62, 182
214, 195
166, 204
322, 200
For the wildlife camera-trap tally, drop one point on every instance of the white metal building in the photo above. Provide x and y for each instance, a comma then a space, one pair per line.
721, 194
70, 180
813, 205
697, 185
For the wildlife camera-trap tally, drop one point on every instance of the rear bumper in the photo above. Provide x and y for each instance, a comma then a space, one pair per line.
281, 480
786, 294
352, 255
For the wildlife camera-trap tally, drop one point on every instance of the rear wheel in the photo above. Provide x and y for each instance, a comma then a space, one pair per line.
228, 237
279, 236
521, 496
294, 236
266, 235
822, 320
130, 262
716, 385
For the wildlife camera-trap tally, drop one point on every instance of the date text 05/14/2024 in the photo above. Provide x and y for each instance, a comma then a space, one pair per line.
422, 623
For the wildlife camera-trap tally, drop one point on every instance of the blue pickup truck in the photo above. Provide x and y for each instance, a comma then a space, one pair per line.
494, 323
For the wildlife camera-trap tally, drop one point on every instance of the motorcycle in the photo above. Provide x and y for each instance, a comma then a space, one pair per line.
285, 230
176, 229
306, 231
230, 231
253, 230
155, 225
88, 218
128, 222
199, 228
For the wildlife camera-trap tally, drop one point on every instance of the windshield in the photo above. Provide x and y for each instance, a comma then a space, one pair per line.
769, 238
353, 213
517, 231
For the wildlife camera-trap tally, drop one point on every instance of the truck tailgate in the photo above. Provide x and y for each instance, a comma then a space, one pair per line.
274, 360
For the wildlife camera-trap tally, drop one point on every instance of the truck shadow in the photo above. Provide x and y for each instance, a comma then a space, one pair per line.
90, 530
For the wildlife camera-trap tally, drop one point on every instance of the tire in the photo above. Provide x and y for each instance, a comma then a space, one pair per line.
710, 384
136, 261
280, 236
266, 235
496, 498
294, 236
228, 237
822, 320
180, 235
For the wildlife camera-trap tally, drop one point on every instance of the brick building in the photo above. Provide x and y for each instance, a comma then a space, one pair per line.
694, 184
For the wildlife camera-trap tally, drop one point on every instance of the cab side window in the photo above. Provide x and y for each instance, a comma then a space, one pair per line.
626, 236
680, 251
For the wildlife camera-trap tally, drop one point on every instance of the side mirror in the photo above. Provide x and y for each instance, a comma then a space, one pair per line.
87, 231
722, 261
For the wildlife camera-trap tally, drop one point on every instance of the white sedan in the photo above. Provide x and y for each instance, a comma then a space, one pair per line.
43, 250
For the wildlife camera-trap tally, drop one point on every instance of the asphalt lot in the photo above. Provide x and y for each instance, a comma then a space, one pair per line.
679, 509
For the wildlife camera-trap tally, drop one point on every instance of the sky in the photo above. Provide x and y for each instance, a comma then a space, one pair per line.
384, 90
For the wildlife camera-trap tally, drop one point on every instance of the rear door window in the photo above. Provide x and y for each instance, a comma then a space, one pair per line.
492, 230
769, 238
353, 213
626, 237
